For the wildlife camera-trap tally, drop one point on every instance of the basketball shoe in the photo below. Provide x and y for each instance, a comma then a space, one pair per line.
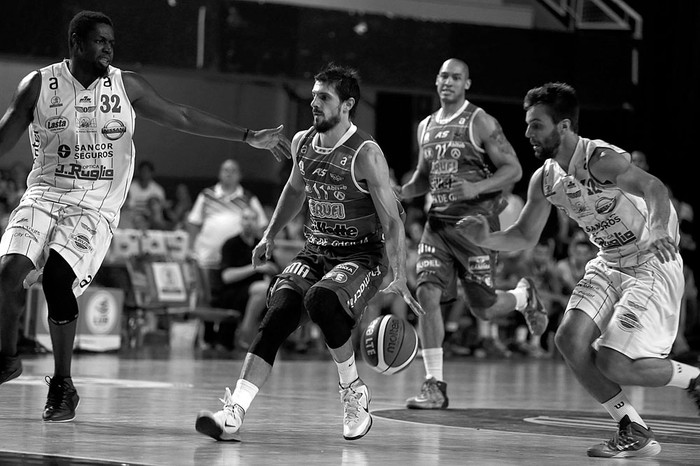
10, 368
534, 312
62, 400
224, 424
631, 440
356, 417
433, 395
694, 391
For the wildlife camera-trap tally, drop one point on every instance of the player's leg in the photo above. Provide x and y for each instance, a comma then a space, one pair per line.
335, 304
21, 250
284, 315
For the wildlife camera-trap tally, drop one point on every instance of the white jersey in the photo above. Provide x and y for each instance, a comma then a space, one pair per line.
82, 141
615, 221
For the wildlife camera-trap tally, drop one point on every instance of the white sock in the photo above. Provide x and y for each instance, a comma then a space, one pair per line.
244, 393
619, 406
520, 295
432, 359
347, 371
682, 375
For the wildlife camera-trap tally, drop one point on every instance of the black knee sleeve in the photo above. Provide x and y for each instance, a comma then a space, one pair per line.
285, 308
58, 288
325, 310
479, 295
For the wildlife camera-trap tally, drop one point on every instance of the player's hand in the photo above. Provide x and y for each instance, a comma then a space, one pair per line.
272, 140
263, 251
474, 227
462, 190
399, 287
663, 247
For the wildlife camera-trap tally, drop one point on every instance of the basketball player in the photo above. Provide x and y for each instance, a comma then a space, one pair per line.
354, 229
464, 163
622, 317
81, 115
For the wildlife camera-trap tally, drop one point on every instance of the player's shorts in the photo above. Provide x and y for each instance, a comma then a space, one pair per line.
445, 255
353, 274
637, 309
79, 235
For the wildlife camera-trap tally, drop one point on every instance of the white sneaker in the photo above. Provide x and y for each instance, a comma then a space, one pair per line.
534, 312
224, 424
356, 418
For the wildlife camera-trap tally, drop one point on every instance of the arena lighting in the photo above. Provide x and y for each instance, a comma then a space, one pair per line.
360, 28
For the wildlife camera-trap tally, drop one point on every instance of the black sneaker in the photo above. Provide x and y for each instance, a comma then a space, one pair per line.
10, 368
433, 395
630, 441
62, 400
694, 391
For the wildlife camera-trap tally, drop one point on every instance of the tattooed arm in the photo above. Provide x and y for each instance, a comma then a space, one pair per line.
489, 135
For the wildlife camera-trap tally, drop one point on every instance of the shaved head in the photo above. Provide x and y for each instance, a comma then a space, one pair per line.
456, 63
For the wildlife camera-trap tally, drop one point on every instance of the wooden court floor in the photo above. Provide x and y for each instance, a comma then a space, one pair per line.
139, 408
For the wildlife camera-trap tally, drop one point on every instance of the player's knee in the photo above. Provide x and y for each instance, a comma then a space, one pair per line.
282, 318
58, 289
428, 295
13, 269
571, 345
325, 310
481, 298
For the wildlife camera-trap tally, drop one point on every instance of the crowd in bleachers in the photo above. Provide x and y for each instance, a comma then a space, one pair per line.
555, 264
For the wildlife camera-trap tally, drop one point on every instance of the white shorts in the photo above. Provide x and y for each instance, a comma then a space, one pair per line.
637, 309
80, 236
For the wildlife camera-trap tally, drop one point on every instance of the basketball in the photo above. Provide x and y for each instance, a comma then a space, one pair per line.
389, 344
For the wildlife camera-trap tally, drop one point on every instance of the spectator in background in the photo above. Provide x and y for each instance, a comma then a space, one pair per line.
216, 217
180, 207
639, 158
243, 287
144, 187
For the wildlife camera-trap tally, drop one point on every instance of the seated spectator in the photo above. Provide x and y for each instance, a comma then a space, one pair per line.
241, 286
180, 207
144, 187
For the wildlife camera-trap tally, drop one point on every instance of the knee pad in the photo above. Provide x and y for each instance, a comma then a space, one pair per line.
479, 295
285, 308
325, 310
58, 289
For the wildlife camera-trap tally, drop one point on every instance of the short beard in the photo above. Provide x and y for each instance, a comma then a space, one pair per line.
550, 147
327, 125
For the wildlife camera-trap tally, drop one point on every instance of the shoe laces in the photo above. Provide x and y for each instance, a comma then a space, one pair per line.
623, 439
429, 388
57, 393
351, 402
227, 400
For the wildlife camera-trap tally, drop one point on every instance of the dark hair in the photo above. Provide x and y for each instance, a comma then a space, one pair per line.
84, 22
146, 164
560, 99
345, 81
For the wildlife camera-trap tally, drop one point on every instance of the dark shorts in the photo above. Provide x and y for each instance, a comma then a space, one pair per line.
446, 256
353, 274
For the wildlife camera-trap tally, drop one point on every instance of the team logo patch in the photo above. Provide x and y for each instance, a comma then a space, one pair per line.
113, 130
605, 205
338, 277
56, 102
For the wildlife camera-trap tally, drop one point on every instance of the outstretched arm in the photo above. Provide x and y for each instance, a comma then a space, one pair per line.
152, 106
526, 230
371, 167
289, 205
19, 113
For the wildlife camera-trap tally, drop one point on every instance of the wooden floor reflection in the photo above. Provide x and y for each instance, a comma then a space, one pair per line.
141, 410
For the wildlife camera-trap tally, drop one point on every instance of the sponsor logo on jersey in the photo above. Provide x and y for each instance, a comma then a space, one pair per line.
85, 104
79, 172
337, 178
332, 210
455, 153
55, 102
92, 231
63, 151
336, 229
605, 205
101, 150
629, 322
457, 144
113, 130
349, 267
301, 166
57, 124
479, 263
376, 272
444, 167
604, 225
81, 242
338, 277
86, 125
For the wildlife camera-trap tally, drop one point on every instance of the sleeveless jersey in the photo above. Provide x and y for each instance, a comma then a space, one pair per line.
341, 211
451, 154
82, 141
615, 221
